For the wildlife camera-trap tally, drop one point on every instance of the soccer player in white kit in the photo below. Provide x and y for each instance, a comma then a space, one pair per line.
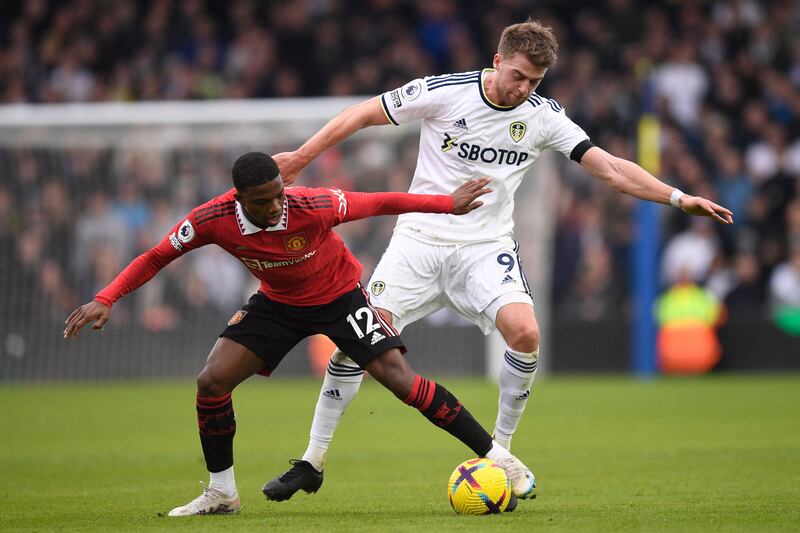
483, 123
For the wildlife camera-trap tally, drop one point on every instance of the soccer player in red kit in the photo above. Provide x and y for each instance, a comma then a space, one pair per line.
309, 285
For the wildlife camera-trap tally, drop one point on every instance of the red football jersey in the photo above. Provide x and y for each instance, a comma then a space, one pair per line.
300, 261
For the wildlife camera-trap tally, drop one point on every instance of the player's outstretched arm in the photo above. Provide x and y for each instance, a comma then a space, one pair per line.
464, 198
92, 311
136, 274
628, 177
360, 205
340, 127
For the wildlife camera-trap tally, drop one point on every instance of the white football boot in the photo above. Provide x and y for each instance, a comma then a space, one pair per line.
212, 501
523, 482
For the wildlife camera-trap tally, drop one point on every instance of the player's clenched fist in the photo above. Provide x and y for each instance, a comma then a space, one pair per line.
464, 196
93, 311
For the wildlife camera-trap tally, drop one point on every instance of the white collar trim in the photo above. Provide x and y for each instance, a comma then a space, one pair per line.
248, 228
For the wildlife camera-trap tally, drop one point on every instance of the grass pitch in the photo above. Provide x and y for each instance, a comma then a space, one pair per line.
611, 454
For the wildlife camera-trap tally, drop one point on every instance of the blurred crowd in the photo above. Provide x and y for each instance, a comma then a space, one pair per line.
723, 76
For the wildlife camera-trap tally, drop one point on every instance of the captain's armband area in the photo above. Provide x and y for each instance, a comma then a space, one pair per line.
582, 147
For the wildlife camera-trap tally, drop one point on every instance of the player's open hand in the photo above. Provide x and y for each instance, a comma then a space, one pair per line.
93, 311
697, 205
290, 165
464, 197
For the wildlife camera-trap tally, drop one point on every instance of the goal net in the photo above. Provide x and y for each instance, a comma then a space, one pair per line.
85, 188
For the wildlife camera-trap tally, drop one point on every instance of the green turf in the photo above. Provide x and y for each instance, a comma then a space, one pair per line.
611, 454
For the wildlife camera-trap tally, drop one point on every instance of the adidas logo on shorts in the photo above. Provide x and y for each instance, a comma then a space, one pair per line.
508, 279
377, 337
333, 394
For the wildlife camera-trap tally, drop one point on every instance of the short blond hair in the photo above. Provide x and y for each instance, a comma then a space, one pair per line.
533, 39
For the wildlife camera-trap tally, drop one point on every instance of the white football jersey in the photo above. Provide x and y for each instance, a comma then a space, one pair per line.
465, 135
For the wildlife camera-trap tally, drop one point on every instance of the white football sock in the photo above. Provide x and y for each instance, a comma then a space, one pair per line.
497, 452
342, 381
516, 378
224, 482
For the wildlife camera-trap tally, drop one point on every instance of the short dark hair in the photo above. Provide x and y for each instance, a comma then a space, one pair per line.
252, 169
531, 38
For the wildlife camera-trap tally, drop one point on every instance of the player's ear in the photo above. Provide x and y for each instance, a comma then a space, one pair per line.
497, 60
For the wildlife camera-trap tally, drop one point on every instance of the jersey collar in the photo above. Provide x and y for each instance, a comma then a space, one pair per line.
248, 228
485, 72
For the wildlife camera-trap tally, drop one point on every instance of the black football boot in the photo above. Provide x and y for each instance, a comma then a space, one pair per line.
301, 476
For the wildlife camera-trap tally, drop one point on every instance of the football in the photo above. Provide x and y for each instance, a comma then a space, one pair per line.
479, 486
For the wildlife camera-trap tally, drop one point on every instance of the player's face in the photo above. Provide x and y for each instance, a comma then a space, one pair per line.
516, 79
263, 203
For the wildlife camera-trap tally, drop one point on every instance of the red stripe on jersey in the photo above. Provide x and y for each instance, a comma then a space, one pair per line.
218, 212
325, 198
219, 204
310, 207
207, 214
295, 201
215, 215
310, 198
206, 210
200, 216
311, 204
211, 210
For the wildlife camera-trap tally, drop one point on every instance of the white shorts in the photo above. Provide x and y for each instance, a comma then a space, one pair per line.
414, 278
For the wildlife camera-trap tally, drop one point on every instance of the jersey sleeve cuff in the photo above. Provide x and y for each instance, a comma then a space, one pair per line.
103, 300
448, 200
582, 147
386, 110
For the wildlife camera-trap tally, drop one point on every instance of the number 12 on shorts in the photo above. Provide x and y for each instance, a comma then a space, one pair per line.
363, 313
